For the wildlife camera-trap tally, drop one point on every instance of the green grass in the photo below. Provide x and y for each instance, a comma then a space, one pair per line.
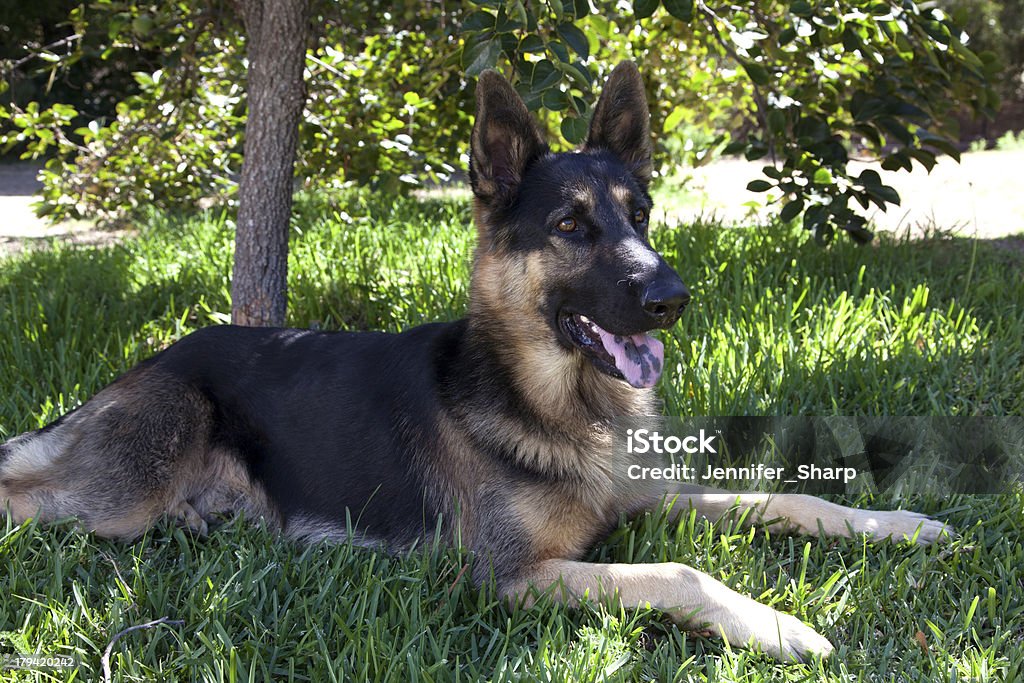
778, 325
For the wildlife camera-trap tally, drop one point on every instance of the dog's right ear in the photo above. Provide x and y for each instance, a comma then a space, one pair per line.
505, 139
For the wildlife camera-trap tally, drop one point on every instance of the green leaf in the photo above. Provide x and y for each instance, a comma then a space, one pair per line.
891, 163
923, 157
575, 39
866, 108
815, 215
544, 76
884, 192
680, 9
939, 143
759, 186
823, 233
143, 79
830, 152
755, 150
481, 56
758, 74
776, 121
532, 43
855, 227
734, 147
580, 8
814, 128
574, 129
517, 13
645, 8
673, 119
896, 129
801, 8
479, 21
851, 41
555, 100
869, 178
576, 72
531, 99
64, 111
791, 210
558, 49
509, 41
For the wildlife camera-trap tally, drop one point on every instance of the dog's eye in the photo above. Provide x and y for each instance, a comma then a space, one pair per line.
639, 216
567, 224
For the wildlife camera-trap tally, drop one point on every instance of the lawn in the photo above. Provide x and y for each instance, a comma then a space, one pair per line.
778, 326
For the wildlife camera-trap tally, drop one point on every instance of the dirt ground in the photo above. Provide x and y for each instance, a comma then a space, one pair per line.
981, 197
19, 226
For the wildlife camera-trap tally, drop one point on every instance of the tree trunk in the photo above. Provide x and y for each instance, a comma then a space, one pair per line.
276, 33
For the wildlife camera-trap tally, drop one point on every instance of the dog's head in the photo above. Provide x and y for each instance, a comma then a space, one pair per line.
563, 238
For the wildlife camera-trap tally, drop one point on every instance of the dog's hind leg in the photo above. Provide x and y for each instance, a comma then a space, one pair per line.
118, 463
185, 515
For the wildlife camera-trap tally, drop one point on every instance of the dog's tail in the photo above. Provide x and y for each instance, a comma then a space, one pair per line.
29, 464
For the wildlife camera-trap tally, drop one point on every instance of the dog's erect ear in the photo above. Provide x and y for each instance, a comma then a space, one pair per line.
622, 122
505, 139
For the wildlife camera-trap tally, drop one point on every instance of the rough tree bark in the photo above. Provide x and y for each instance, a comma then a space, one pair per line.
276, 33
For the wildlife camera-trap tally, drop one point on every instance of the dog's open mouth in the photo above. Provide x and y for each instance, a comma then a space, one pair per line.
635, 358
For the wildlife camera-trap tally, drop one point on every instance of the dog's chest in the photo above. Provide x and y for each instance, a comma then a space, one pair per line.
562, 526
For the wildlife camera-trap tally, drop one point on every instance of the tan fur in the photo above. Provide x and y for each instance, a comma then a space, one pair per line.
559, 384
621, 194
561, 526
223, 487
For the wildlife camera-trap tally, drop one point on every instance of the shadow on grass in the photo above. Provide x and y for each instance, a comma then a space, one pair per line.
73, 319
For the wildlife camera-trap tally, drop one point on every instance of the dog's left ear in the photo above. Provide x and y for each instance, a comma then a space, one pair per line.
622, 122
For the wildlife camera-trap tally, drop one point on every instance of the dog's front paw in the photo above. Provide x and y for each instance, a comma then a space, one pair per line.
744, 622
900, 525
782, 636
794, 640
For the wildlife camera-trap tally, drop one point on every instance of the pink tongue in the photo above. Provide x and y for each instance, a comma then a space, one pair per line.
638, 357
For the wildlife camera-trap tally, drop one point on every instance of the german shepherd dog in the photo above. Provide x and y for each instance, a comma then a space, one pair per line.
498, 425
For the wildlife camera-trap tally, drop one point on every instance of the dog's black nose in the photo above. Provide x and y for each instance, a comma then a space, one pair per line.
664, 300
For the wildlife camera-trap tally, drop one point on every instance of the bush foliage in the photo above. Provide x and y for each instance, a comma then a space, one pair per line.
801, 85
